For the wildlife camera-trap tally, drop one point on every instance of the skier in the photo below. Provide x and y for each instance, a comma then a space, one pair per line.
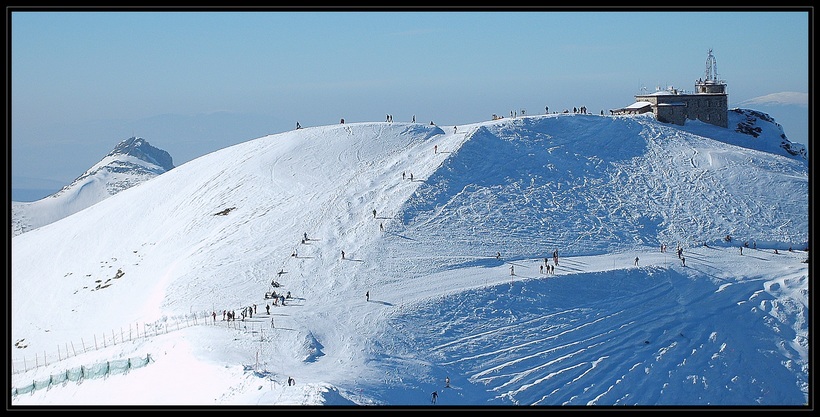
214, 315
447, 382
367, 294
298, 126
512, 270
682, 261
343, 254
306, 239
435, 149
636, 261
374, 213
291, 381
411, 176
435, 396
381, 226
267, 307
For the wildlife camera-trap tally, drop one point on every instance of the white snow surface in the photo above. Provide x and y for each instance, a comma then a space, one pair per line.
111, 175
727, 328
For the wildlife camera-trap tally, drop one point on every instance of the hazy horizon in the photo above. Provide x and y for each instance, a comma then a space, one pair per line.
199, 81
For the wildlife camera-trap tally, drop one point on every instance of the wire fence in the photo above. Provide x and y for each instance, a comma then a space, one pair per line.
103, 340
253, 324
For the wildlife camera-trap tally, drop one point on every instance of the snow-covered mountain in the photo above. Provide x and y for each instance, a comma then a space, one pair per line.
447, 230
132, 162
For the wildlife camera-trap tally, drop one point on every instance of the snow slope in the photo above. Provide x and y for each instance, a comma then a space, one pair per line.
723, 329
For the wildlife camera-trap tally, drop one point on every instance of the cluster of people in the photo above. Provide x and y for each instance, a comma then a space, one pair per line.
230, 315
550, 269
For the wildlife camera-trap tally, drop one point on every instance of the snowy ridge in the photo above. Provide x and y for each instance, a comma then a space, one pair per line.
132, 162
212, 234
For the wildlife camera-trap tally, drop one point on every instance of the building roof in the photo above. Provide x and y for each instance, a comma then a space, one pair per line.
638, 105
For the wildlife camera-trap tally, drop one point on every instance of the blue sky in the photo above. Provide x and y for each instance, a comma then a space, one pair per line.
192, 82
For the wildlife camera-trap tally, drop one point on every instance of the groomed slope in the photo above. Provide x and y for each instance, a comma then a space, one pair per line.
584, 184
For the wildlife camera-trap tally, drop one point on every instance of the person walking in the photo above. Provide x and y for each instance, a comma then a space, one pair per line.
636, 261
435, 397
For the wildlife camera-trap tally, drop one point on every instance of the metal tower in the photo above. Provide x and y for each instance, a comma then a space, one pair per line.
711, 68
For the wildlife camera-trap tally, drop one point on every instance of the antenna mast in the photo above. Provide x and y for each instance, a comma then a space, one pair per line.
711, 68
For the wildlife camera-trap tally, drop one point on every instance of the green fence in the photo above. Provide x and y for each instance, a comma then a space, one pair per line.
94, 371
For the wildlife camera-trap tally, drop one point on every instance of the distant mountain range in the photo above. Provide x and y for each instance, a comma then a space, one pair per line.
132, 162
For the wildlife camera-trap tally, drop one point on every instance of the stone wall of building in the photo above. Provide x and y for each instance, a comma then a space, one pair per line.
676, 108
